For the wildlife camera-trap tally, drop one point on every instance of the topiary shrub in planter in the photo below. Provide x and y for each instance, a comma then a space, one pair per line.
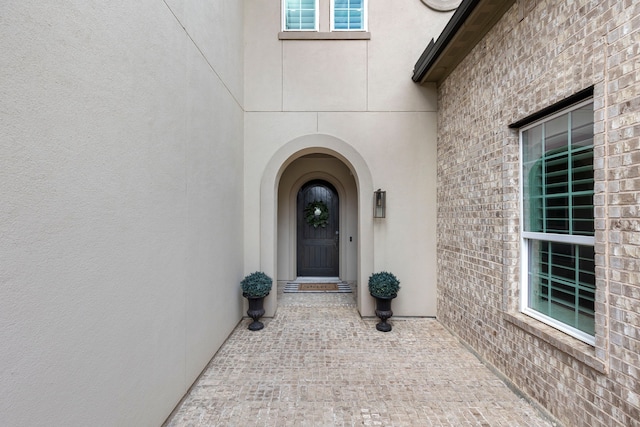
384, 287
255, 287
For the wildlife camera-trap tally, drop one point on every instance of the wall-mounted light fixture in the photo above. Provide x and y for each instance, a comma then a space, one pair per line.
379, 203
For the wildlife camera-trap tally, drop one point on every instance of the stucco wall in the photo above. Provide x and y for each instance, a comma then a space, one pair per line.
360, 92
538, 54
121, 205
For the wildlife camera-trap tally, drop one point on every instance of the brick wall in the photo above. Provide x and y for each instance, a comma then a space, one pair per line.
539, 53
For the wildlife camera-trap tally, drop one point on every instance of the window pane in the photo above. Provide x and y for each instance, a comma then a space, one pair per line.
558, 175
556, 133
348, 15
582, 127
300, 15
562, 283
558, 183
582, 178
355, 19
341, 20
532, 178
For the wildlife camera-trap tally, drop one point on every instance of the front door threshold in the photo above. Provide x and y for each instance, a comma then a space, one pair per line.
312, 279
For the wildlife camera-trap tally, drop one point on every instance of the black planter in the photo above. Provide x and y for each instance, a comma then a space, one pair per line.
256, 311
383, 311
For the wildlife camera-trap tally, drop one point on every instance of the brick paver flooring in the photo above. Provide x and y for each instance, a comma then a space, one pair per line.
317, 363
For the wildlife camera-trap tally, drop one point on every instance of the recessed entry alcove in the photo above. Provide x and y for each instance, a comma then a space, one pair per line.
328, 247
300, 164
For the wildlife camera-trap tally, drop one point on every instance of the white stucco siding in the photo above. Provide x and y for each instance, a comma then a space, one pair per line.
262, 56
216, 29
120, 213
334, 75
324, 75
360, 92
264, 134
214, 186
399, 33
400, 150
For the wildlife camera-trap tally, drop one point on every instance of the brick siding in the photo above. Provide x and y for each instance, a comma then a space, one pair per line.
539, 53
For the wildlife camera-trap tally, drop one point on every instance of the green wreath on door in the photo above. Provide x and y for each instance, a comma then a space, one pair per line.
317, 214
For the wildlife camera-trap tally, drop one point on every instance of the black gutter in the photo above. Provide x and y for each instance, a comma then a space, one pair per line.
435, 49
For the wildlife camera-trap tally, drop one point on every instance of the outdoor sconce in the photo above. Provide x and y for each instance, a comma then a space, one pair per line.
379, 203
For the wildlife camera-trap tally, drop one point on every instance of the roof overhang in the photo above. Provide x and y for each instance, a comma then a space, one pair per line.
468, 25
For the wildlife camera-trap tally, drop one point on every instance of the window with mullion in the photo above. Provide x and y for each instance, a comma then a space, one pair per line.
300, 15
558, 226
348, 15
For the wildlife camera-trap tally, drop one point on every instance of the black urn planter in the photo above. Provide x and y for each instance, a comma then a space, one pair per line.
256, 311
383, 311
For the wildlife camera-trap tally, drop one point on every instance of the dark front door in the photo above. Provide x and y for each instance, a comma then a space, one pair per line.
318, 222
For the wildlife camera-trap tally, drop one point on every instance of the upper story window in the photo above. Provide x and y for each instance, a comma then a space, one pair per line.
300, 15
348, 15
305, 15
558, 225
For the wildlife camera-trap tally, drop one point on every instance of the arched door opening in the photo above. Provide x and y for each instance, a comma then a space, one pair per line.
323, 246
318, 223
300, 161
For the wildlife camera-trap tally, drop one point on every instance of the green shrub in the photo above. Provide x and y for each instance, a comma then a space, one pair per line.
383, 285
256, 285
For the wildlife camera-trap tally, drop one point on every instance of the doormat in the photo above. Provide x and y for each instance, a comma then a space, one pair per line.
317, 287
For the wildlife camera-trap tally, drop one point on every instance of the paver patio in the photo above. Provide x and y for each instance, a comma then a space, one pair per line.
317, 363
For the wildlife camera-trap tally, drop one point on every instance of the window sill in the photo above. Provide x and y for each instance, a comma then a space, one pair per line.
333, 35
573, 347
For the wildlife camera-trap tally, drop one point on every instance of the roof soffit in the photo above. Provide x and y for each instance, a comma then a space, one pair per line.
468, 25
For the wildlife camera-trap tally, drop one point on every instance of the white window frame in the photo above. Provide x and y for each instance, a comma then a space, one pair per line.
283, 17
364, 17
527, 236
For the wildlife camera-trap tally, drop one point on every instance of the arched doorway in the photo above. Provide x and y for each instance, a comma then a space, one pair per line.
276, 246
318, 222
